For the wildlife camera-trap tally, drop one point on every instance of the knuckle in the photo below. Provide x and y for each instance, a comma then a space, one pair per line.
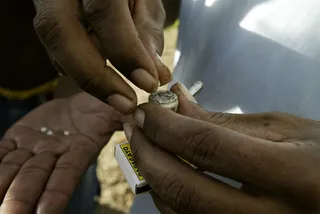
178, 195
169, 184
153, 126
137, 153
97, 10
270, 134
32, 169
91, 85
162, 14
69, 166
18, 201
220, 118
157, 12
200, 148
158, 38
47, 27
153, 33
82, 81
271, 117
11, 164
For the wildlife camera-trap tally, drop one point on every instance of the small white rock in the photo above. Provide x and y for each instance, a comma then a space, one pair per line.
49, 133
66, 133
44, 129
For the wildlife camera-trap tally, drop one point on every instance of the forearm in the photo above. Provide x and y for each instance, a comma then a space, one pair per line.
172, 8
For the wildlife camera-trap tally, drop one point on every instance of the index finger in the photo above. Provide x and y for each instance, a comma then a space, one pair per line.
58, 26
63, 180
215, 148
113, 25
187, 191
25, 190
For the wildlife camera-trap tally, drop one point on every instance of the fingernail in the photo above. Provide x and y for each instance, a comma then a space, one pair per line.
165, 76
138, 117
57, 66
186, 92
160, 59
144, 80
128, 130
121, 103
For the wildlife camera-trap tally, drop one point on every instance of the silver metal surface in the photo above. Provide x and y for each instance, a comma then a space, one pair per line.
162, 97
166, 99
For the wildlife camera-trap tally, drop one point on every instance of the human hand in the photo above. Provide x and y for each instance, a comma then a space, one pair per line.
275, 156
129, 33
40, 170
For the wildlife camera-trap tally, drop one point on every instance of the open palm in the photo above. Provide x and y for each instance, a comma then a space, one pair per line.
44, 155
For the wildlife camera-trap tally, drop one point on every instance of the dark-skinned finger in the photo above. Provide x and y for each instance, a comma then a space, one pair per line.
96, 43
10, 166
149, 18
58, 67
58, 26
186, 190
6, 146
271, 126
27, 186
112, 23
161, 206
220, 150
64, 179
106, 120
188, 106
93, 39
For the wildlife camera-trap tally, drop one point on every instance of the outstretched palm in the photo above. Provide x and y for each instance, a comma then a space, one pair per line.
44, 155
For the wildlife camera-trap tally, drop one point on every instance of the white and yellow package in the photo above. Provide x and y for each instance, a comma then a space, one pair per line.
124, 157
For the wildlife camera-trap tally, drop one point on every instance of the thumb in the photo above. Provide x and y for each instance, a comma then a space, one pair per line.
268, 126
149, 18
189, 106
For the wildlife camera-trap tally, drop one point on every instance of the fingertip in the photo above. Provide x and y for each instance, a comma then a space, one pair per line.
121, 103
139, 116
144, 80
188, 106
128, 130
164, 73
184, 102
181, 90
174, 88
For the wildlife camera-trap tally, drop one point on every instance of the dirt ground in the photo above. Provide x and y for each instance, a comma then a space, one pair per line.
116, 196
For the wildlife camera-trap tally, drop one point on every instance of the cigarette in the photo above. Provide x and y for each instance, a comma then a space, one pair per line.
123, 153
196, 88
